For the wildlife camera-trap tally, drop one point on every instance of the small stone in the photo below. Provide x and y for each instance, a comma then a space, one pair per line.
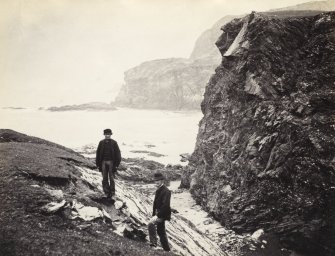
118, 205
53, 207
209, 221
257, 234
56, 193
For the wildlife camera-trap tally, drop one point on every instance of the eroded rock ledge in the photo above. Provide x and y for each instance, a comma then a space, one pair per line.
265, 152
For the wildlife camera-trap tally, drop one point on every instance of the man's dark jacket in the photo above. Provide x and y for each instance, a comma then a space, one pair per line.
115, 151
162, 203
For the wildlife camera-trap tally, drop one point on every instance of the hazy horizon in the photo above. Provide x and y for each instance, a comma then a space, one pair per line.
58, 52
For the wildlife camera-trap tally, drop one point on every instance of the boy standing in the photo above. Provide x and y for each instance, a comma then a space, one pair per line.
108, 158
161, 213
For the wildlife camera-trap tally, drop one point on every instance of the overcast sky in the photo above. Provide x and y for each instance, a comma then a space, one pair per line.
56, 52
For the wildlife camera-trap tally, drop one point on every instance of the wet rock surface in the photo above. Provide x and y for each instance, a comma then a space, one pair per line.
264, 156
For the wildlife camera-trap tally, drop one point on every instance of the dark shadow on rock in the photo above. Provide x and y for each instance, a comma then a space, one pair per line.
134, 233
104, 200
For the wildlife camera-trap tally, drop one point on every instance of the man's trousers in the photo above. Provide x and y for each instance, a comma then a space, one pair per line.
160, 224
108, 183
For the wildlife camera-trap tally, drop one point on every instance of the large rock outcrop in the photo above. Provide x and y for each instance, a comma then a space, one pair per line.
166, 84
265, 151
204, 47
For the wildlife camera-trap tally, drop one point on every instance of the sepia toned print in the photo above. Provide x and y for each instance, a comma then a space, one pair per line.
189, 127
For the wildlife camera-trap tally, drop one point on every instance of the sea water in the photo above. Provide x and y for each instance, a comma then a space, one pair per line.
153, 134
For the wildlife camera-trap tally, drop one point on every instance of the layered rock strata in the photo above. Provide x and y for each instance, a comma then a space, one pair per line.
265, 152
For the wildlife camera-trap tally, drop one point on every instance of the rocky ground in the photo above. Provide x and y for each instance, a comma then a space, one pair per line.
43, 197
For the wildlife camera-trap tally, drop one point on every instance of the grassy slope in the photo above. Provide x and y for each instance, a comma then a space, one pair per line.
24, 228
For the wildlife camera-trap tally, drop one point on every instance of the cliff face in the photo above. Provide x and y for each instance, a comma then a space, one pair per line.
166, 84
204, 47
265, 152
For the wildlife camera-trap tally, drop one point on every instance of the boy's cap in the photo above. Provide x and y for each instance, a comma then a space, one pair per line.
108, 132
159, 176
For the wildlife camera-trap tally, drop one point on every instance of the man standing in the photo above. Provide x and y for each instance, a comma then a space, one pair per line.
108, 158
161, 213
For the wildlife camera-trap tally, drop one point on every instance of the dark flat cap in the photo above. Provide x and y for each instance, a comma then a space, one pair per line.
107, 131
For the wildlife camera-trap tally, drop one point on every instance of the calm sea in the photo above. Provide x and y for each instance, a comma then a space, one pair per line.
139, 133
